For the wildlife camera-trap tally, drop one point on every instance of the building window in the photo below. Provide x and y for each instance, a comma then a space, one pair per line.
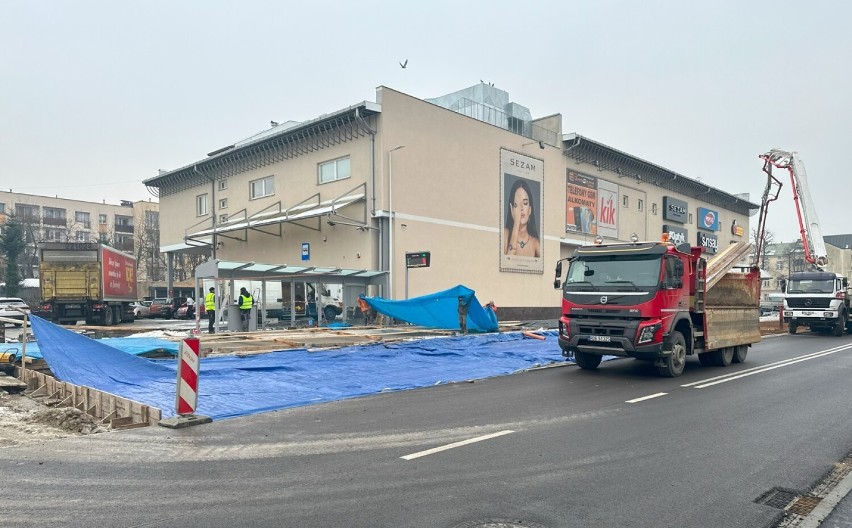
53, 235
640, 204
53, 212
223, 203
262, 187
223, 219
625, 200
102, 219
779, 264
82, 236
690, 219
334, 170
654, 209
201, 205
152, 220
27, 213
2, 208
223, 184
82, 218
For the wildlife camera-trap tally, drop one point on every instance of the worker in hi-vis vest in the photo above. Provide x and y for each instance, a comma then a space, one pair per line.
210, 308
245, 302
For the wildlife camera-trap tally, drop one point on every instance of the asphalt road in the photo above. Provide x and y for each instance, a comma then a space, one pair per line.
557, 447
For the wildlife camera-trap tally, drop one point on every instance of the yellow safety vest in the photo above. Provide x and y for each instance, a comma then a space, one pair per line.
210, 301
246, 301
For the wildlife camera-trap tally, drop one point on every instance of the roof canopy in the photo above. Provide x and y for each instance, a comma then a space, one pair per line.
233, 270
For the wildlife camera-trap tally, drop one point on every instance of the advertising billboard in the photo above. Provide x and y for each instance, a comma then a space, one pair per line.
521, 192
607, 210
581, 201
119, 275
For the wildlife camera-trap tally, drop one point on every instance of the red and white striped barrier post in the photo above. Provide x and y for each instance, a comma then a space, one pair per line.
186, 397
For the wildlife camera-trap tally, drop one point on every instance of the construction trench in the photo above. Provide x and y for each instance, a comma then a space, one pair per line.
270, 369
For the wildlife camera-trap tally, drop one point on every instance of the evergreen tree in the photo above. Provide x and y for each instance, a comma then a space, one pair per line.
12, 246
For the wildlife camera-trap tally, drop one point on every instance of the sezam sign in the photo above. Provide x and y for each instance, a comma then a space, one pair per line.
674, 209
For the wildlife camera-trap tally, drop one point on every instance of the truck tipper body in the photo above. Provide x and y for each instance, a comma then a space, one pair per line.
659, 302
86, 281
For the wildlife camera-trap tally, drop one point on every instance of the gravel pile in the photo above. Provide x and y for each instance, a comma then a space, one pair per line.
66, 418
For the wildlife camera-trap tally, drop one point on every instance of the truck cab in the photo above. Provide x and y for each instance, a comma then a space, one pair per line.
818, 300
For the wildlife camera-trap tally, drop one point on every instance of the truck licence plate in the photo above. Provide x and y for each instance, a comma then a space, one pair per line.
807, 313
604, 339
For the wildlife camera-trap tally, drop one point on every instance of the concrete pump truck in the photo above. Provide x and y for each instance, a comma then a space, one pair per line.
817, 299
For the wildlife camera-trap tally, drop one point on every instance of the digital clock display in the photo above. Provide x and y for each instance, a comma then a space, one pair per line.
419, 259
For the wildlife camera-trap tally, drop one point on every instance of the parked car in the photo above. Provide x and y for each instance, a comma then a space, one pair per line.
141, 309
10, 306
188, 312
161, 307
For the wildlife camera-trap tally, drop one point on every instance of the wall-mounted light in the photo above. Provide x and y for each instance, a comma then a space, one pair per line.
540, 144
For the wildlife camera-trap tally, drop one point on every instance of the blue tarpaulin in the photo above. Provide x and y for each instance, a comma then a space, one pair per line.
439, 310
232, 386
129, 345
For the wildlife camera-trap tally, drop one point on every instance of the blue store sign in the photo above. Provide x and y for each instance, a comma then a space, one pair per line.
306, 251
708, 219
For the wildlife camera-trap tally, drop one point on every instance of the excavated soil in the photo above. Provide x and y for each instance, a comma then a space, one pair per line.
24, 420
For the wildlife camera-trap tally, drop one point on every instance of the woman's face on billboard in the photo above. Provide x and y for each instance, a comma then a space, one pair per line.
521, 206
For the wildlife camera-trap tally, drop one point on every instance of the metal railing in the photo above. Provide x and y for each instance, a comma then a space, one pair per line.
499, 118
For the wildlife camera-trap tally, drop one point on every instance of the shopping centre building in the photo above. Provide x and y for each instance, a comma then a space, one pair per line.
370, 193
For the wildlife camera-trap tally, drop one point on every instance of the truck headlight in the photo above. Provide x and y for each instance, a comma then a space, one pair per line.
829, 314
647, 334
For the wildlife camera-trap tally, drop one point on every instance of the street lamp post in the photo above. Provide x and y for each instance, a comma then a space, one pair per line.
391, 216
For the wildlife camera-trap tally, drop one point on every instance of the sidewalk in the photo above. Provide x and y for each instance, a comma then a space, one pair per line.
835, 510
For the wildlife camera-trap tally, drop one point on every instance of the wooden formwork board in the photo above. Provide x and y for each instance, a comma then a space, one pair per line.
109, 408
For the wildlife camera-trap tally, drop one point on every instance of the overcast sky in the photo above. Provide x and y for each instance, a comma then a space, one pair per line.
96, 96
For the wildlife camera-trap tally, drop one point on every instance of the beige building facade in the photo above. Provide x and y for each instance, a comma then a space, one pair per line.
362, 187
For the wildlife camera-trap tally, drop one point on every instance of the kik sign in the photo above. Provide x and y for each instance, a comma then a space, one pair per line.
708, 219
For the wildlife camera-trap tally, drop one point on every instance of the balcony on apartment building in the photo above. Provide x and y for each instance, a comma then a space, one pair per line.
124, 245
123, 228
54, 221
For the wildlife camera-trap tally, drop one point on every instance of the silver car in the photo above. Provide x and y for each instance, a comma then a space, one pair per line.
11, 307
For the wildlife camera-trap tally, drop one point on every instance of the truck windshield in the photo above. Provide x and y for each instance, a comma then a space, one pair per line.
810, 286
613, 273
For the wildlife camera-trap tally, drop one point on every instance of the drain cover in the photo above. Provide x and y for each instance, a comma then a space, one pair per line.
777, 498
804, 505
499, 523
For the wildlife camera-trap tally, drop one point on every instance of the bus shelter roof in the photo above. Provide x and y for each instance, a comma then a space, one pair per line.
236, 270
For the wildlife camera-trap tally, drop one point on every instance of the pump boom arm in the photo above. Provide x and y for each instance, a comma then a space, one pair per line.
809, 228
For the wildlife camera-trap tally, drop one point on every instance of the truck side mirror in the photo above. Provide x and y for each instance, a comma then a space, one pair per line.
558, 282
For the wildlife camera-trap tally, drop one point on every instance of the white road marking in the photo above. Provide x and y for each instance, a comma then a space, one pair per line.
709, 382
643, 398
456, 444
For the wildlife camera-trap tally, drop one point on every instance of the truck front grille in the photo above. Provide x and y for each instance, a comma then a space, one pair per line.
601, 330
809, 302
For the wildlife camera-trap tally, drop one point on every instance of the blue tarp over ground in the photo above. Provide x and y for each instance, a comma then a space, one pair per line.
439, 310
129, 345
232, 386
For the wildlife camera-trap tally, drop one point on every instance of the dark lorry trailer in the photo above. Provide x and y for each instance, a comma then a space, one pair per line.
86, 281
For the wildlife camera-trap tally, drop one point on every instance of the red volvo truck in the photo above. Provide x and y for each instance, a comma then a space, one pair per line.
658, 302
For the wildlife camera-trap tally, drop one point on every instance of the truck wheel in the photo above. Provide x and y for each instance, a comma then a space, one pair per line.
673, 364
840, 324
587, 361
108, 316
792, 327
723, 356
740, 352
330, 313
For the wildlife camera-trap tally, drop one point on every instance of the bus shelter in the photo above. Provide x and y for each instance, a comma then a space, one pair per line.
225, 273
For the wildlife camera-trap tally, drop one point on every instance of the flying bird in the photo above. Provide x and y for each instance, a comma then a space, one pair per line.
403, 64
